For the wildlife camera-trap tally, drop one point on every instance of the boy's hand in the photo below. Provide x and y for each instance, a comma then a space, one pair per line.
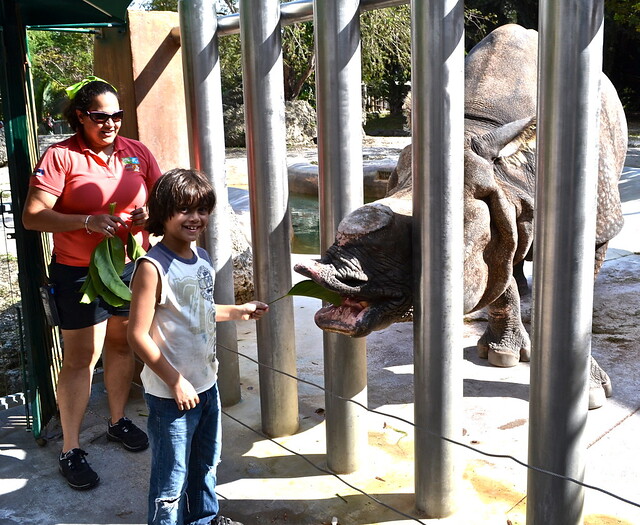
255, 310
185, 395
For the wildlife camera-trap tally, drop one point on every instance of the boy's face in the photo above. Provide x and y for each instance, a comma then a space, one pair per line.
187, 224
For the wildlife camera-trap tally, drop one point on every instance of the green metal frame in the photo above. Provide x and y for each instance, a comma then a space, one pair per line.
43, 345
42, 342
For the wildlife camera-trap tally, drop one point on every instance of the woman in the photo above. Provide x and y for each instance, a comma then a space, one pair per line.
70, 192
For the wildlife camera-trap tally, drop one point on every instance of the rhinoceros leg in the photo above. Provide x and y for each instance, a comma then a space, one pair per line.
505, 342
601, 254
599, 385
521, 279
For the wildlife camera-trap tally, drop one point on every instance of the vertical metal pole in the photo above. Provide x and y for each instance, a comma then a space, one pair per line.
203, 94
270, 219
338, 77
570, 65
43, 345
437, 153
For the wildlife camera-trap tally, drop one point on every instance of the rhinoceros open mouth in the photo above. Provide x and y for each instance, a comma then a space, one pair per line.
344, 318
364, 308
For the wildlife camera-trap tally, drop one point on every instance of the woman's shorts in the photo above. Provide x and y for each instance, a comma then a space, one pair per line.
67, 281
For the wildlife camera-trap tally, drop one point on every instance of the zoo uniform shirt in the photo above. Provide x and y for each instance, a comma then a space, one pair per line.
184, 323
86, 185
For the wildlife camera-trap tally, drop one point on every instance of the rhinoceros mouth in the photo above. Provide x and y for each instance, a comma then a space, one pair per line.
357, 317
342, 319
364, 308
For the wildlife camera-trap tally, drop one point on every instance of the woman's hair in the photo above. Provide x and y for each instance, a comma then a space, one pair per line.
176, 189
83, 100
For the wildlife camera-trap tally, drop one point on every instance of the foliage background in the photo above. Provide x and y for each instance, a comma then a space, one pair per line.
60, 59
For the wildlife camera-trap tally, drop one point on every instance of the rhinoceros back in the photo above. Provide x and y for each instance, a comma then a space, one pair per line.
501, 76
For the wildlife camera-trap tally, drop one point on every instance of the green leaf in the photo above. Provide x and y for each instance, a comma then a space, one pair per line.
310, 288
116, 250
134, 249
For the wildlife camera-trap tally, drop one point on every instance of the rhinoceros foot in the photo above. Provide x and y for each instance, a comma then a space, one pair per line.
507, 350
599, 385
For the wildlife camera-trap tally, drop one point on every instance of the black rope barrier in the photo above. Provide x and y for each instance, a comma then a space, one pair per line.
444, 438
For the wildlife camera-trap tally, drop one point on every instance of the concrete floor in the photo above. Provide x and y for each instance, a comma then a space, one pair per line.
262, 483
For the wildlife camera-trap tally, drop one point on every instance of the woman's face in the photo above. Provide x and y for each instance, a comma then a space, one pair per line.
100, 135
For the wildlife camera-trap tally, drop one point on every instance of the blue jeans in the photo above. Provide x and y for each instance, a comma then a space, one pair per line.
185, 452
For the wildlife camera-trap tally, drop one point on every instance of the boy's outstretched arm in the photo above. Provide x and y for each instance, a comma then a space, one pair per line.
241, 312
144, 291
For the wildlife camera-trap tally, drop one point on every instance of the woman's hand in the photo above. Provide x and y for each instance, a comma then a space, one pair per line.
138, 217
104, 224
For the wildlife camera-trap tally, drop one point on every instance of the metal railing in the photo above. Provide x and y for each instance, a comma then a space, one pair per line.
437, 45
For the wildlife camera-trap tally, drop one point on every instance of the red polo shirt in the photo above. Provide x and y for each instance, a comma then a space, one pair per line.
86, 185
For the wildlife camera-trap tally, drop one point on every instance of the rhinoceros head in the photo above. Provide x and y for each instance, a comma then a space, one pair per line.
370, 263
370, 240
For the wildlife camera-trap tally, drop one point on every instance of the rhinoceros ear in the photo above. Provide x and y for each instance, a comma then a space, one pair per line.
507, 140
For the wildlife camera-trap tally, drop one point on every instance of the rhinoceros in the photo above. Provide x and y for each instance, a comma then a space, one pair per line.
370, 263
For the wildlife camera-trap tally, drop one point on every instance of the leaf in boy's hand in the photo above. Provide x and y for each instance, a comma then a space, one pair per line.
310, 288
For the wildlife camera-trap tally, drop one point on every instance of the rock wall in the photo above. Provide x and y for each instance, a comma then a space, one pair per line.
300, 121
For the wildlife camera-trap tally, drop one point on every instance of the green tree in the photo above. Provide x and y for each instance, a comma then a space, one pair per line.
386, 60
621, 61
298, 61
386, 54
58, 59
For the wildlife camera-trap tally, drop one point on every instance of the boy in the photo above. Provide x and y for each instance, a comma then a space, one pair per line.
172, 329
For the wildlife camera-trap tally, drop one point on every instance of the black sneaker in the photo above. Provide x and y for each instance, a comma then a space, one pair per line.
76, 470
221, 520
125, 432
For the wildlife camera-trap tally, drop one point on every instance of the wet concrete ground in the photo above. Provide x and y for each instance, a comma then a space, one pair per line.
262, 483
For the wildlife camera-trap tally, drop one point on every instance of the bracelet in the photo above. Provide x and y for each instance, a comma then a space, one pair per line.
86, 225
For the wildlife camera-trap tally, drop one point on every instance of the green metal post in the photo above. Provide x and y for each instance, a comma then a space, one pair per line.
43, 351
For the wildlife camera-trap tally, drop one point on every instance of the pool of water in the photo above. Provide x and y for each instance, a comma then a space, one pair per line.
305, 218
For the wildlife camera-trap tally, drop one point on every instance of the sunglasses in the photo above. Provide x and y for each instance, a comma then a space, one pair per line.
100, 117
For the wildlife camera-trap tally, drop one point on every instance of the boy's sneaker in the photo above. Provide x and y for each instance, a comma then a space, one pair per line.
125, 432
221, 520
76, 470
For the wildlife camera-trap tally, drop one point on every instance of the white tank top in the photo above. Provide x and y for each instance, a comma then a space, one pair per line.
184, 324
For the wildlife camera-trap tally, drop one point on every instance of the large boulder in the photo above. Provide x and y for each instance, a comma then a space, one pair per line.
300, 120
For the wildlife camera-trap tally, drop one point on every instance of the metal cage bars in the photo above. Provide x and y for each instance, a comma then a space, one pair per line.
437, 40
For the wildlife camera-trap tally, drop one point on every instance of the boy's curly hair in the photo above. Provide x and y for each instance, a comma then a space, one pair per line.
176, 189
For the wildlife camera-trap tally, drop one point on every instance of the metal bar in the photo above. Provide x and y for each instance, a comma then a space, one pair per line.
338, 78
570, 65
298, 11
97, 8
203, 93
437, 153
63, 29
71, 26
22, 153
270, 218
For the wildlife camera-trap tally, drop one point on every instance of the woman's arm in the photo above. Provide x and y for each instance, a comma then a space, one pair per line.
145, 292
39, 215
241, 312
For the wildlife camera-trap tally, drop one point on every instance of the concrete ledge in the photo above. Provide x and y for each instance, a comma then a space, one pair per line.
303, 177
